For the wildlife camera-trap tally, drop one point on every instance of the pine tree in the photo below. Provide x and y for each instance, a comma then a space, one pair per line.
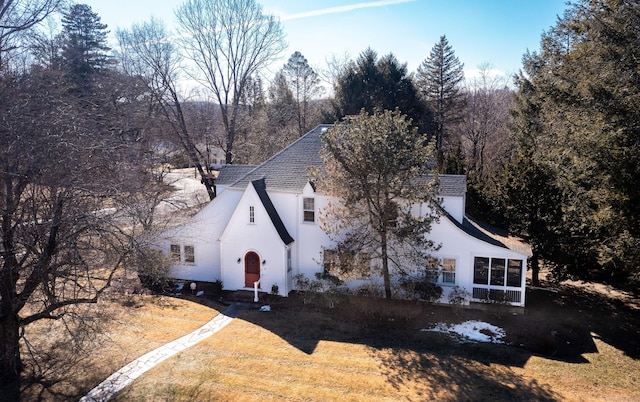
378, 167
438, 79
85, 49
304, 83
585, 81
376, 85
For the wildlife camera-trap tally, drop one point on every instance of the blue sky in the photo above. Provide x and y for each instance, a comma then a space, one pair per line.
494, 32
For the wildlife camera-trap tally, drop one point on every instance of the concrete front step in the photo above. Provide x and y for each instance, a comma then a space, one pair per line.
242, 296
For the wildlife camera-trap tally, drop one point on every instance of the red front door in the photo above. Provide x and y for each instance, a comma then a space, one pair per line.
251, 269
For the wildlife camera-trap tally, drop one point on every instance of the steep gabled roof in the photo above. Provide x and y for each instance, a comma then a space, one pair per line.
453, 185
229, 174
288, 169
260, 188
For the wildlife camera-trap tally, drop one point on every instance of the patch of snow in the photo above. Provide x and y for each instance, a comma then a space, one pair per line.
478, 331
265, 308
200, 293
180, 286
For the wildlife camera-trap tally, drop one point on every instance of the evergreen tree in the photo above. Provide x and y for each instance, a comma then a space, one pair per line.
85, 49
376, 85
304, 83
378, 167
585, 80
528, 192
438, 79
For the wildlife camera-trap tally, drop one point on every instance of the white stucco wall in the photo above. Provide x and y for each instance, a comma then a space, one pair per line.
459, 245
222, 234
241, 236
202, 232
454, 206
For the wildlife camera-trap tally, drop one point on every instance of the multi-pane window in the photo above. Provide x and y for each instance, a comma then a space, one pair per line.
252, 214
308, 209
189, 254
364, 265
441, 270
329, 259
431, 264
448, 270
175, 253
178, 252
497, 271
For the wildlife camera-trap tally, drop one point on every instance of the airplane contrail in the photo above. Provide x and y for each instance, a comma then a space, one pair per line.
342, 9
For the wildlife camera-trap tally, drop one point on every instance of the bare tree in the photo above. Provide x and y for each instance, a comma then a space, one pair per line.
230, 41
149, 54
19, 16
61, 240
336, 66
483, 122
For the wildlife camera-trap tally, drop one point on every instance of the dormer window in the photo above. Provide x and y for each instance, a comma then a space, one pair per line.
308, 210
252, 214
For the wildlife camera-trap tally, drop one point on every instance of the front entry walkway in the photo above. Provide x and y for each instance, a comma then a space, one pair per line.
126, 375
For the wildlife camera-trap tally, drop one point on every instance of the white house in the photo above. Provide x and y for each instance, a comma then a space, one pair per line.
263, 227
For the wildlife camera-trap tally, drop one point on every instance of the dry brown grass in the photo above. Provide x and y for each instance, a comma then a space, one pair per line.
305, 355
127, 327
607, 375
301, 353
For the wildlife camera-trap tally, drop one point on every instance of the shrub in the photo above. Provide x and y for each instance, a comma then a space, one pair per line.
421, 289
153, 268
326, 289
459, 297
217, 288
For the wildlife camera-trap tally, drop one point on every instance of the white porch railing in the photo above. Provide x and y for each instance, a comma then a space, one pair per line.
255, 290
512, 296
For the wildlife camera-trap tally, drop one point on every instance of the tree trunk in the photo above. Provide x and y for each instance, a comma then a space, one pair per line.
10, 363
535, 269
385, 266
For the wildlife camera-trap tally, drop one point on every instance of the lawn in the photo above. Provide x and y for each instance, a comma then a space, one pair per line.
572, 345
126, 327
578, 344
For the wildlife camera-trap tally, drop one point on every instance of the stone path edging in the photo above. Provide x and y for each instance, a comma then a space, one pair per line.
127, 374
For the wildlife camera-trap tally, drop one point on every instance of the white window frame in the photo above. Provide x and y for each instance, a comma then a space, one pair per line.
306, 209
189, 257
175, 252
435, 266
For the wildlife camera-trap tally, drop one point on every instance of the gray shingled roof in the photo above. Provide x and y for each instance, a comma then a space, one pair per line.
287, 170
229, 174
453, 184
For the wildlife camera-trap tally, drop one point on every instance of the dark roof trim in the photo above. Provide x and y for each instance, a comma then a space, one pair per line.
261, 189
471, 230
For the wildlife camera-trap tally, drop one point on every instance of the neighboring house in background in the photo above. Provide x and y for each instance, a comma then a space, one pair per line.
263, 226
217, 158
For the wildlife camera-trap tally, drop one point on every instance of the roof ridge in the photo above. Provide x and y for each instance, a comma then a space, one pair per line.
247, 177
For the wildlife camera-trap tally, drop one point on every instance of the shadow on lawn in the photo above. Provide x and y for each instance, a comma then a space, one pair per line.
558, 326
562, 325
